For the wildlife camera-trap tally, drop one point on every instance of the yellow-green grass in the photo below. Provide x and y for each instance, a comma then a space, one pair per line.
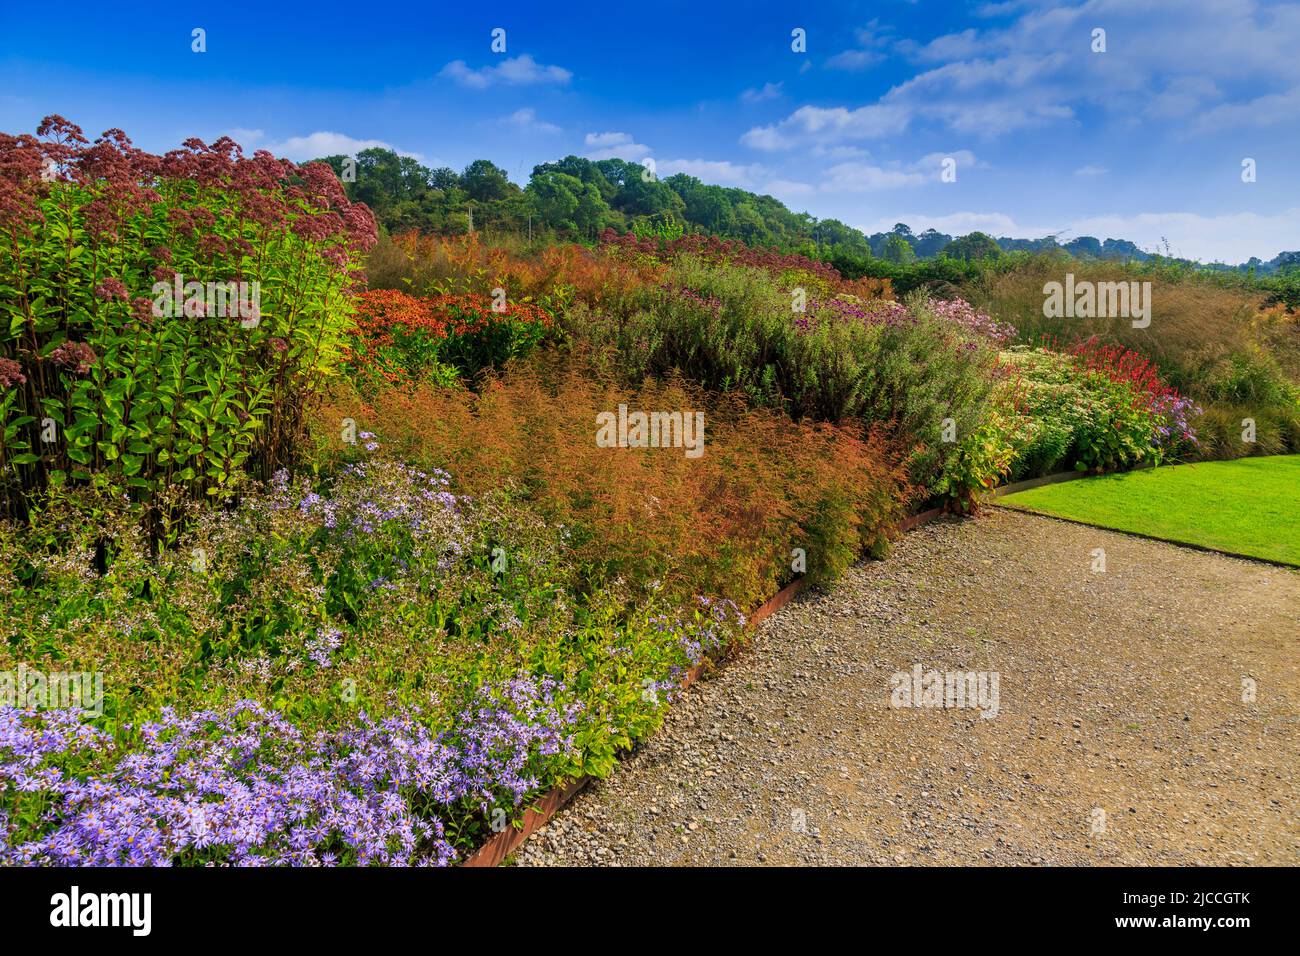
1249, 506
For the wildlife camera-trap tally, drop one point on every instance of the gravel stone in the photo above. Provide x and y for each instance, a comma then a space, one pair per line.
1120, 693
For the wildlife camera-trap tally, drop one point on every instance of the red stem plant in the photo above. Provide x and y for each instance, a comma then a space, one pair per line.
103, 378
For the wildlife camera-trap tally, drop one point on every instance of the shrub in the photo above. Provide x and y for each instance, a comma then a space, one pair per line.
722, 524
731, 327
790, 269
551, 275
97, 384
1099, 408
1171, 413
357, 636
405, 339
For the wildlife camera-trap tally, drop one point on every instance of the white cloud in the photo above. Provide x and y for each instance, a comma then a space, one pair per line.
323, 143
872, 41
1181, 97
613, 145
768, 91
788, 190
1091, 170
516, 71
821, 125
1228, 63
246, 137
933, 162
854, 60
863, 177
526, 119
1274, 108
954, 46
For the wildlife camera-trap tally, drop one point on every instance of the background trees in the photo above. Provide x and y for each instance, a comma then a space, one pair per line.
577, 198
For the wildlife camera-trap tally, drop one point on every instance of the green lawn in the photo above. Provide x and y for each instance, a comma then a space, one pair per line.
1249, 506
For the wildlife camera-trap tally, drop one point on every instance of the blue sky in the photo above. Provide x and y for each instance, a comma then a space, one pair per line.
1143, 141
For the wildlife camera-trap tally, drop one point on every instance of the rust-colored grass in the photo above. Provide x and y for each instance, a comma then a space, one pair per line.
553, 275
726, 523
1194, 322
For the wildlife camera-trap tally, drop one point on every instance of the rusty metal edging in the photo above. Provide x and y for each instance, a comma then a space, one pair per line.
501, 845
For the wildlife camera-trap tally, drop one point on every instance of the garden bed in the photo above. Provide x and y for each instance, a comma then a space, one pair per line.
363, 574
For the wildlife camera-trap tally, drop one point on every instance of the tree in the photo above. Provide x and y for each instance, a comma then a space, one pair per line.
484, 181
567, 203
976, 245
897, 249
581, 169
930, 243
644, 196
444, 179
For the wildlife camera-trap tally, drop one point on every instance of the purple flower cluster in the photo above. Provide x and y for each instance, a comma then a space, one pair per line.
706, 631
245, 786
841, 310
686, 294
503, 730
321, 645
1174, 413
370, 496
11, 373
962, 313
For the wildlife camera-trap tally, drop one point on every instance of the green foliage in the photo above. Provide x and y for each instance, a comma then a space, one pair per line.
981, 461
898, 251
977, 245
732, 328
1072, 418
666, 229
567, 203
375, 590
130, 386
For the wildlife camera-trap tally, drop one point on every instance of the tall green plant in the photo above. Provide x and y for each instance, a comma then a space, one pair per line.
163, 318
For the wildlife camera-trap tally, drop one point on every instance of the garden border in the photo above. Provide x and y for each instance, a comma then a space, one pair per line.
495, 851
1204, 548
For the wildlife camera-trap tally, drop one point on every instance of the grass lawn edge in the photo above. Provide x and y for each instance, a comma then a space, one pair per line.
1026, 509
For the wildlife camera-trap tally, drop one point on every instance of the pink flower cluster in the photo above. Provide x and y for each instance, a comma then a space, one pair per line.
962, 313
76, 357
127, 181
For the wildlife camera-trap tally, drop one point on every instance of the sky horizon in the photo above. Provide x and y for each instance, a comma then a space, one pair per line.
1144, 140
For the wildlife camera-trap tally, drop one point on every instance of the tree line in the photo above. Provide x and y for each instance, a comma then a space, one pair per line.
578, 198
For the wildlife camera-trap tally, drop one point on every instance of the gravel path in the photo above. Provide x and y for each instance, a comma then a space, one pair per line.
1121, 734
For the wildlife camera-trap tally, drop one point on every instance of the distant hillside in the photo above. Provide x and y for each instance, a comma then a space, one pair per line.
579, 198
